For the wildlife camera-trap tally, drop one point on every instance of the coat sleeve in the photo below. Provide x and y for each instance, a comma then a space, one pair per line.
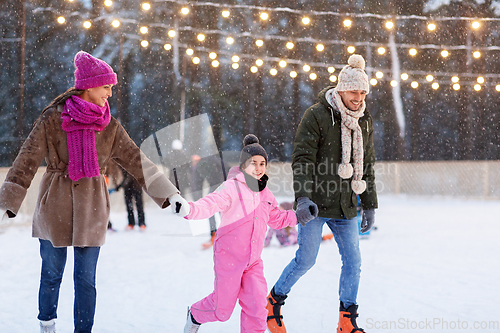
279, 219
304, 154
369, 196
24, 168
126, 153
217, 201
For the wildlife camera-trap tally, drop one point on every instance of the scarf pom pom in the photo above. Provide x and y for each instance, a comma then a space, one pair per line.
345, 170
358, 186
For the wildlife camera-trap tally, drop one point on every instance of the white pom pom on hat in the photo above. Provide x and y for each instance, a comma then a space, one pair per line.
356, 61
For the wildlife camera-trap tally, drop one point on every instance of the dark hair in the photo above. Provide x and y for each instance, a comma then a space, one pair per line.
61, 99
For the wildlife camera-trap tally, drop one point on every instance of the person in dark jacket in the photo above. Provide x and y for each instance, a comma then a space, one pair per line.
132, 191
333, 161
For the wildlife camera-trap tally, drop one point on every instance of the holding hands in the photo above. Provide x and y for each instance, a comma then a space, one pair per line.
179, 205
306, 210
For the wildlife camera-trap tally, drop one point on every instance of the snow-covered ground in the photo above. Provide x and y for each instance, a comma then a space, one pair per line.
432, 265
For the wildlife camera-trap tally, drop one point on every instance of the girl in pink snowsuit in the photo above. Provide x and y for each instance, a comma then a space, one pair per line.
247, 206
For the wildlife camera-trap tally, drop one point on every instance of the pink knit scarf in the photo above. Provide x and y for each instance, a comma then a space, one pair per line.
80, 120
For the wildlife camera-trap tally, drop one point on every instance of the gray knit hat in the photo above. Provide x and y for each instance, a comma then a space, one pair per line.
251, 147
353, 77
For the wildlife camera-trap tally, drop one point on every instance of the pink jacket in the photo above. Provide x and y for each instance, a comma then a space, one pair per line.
242, 208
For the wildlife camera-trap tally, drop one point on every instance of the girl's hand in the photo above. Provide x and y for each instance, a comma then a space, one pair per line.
179, 205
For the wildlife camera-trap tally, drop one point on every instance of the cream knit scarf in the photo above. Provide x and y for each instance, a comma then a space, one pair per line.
351, 136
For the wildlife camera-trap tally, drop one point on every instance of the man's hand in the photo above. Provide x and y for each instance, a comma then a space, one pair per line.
368, 220
306, 210
179, 205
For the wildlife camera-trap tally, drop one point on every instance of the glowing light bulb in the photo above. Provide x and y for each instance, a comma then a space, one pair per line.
394, 83
480, 80
306, 20
146, 6
445, 53
264, 16
115, 23
235, 58
290, 45
379, 75
201, 37
144, 43
497, 87
212, 55
254, 69
381, 50
259, 42
333, 78
196, 60
475, 25
331, 69
282, 63
429, 78
87, 24
215, 63
230, 40
273, 71
455, 79
435, 85
61, 20
389, 25
293, 74
414, 84
477, 87
347, 23
259, 62
171, 33
476, 54
143, 30
167, 47
456, 86
404, 76
189, 52
235, 65
313, 76
108, 3
351, 49
412, 52
306, 68
185, 10
431, 26
373, 82
320, 47
225, 13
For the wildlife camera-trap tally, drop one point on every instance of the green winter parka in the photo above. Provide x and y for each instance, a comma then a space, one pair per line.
316, 156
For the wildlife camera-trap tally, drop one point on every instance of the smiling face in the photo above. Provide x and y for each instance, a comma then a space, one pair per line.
98, 95
255, 166
353, 99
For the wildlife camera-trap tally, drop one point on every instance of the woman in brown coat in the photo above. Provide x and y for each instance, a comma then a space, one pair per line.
77, 137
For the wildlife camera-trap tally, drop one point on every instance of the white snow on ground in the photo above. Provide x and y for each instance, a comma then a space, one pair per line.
432, 265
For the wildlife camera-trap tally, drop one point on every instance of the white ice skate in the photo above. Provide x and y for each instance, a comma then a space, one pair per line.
48, 326
190, 326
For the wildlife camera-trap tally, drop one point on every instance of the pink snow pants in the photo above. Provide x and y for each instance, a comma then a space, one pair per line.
235, 280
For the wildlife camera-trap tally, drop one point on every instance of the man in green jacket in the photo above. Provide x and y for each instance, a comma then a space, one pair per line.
332, 163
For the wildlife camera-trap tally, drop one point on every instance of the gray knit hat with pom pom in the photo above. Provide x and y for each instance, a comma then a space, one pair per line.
251, 147
353, 77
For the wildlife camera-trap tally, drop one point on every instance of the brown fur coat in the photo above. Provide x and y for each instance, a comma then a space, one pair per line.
75, 213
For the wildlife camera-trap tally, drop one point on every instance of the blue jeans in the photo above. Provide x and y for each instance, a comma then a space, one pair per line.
309, 240
53, 263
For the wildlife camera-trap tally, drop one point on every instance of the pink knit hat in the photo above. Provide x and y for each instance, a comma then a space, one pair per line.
92, 72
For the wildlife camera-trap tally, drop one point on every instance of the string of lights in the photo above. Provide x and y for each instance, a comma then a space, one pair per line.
274, 63
327, 13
